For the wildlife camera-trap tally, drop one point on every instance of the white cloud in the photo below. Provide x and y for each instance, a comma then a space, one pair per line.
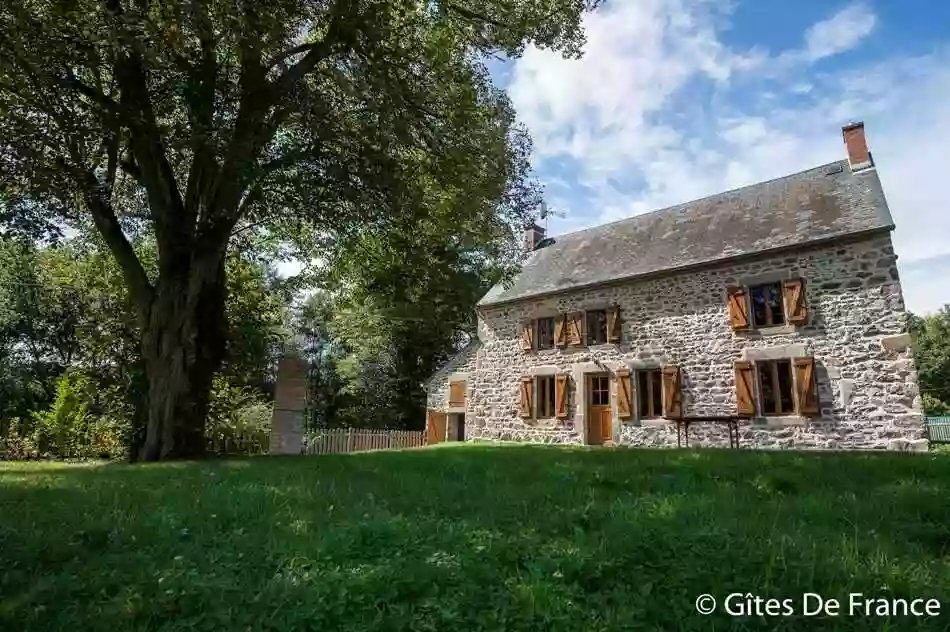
662, 105
839, 33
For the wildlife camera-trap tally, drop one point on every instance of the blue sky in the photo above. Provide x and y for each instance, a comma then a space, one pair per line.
677, 99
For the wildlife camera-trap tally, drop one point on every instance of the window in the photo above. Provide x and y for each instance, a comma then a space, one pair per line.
649, 394
545, 333
767, 305
775, 387
597, 327
600, 391
544, 407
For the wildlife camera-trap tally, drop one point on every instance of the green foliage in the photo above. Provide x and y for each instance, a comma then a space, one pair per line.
67, 306
68, 429
474, 538
236, 410
340, 126
931, 341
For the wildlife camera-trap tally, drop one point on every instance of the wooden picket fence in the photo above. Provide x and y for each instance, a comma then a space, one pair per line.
336, 440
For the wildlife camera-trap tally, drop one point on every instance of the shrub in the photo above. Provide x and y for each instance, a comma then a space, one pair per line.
18, 442
70, 429
238, 419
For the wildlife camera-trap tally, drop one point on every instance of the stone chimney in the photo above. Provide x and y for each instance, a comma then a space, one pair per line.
858, 155
532, 235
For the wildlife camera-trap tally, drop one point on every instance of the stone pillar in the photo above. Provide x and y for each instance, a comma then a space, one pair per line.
286, 428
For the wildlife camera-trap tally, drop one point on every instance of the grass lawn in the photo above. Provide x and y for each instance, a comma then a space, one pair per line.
470, 538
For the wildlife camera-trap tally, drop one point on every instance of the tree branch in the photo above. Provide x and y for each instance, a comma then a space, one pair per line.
103, 216
201, 110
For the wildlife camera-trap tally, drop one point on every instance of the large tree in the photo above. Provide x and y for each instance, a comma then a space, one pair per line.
200, 118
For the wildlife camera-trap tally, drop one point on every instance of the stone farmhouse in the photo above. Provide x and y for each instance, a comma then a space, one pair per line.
769, 316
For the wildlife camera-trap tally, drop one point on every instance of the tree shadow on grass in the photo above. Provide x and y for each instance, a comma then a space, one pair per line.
479, 538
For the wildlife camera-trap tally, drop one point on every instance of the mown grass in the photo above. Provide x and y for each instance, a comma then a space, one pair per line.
469, 538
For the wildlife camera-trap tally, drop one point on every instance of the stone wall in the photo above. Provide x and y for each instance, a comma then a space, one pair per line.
461, 366
866, 377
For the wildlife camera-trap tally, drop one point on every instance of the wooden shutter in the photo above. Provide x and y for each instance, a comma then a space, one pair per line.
745, 380
575, 329
560, 331
738, 307
435, 429
672, 395
527, 336
795, 301
806, 387
560, 396
457, 393
624, 394
527, 390
613, 324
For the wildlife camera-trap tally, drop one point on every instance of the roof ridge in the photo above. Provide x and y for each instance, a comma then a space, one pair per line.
701, 199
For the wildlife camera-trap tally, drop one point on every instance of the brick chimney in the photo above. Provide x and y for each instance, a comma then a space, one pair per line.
532, 235
858, 155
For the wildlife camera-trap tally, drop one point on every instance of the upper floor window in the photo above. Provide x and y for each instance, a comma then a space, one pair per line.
767, 305
597, 327
545, 327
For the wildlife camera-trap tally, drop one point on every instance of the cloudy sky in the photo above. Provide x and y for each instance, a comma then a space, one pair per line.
678, 99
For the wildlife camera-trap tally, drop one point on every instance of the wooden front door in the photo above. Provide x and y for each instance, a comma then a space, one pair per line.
435, 428
600, 422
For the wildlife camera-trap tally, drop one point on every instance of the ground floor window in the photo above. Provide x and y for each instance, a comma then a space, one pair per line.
649, 394
545, 403
775, 387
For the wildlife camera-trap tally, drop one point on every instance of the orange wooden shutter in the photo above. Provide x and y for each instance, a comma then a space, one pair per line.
613, 324
560, 331
526, 398
738, 307
575, 334
560, 396
527, 336
672, 396
745, 400
624, 395
457, 393
795, 301
806, 388
435, 430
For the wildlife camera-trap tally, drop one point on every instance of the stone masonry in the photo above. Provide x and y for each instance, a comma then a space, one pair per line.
290, 403
867, 382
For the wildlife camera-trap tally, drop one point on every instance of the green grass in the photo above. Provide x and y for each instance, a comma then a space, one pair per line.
469, 538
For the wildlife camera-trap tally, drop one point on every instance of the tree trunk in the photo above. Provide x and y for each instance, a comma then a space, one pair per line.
183, 346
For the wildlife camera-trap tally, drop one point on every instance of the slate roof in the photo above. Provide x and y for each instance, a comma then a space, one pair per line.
820, 204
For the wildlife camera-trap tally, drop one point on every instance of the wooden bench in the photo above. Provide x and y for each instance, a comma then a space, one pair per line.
938, 429
683, 424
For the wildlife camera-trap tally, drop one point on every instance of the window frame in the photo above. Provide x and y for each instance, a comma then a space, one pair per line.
538, 400
595, 387
537, 333
750, 289
654, 377
588, 341
760, 403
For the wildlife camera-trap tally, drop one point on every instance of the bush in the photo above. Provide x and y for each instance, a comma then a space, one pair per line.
68, 429
18, 442
238, 419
